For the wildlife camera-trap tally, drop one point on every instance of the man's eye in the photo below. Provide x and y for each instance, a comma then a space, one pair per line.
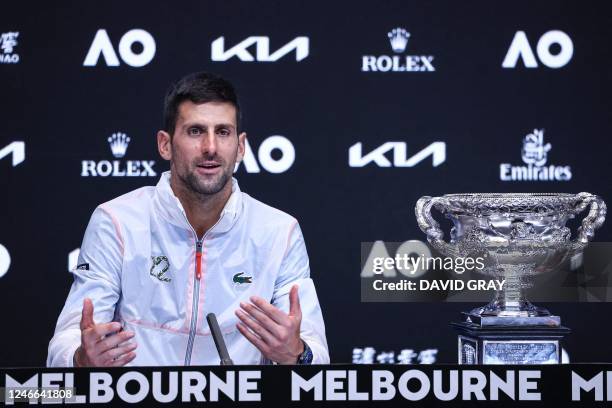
194, 131
224, 132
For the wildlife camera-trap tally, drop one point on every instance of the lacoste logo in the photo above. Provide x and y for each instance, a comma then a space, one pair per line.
242, 279
159, 266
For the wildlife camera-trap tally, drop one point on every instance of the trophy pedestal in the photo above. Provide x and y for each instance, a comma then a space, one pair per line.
512, 345
479, 320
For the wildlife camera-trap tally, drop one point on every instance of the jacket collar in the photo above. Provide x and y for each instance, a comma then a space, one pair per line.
170, 207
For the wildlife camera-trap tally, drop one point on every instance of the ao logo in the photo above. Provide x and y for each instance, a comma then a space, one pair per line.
17, 150
5, 260
409, 248
520, 48
102, 45
264, 154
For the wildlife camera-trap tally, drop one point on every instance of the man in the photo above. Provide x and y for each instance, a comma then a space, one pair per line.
156, 260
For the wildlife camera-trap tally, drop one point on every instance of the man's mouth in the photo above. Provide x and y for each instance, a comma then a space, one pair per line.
208, 167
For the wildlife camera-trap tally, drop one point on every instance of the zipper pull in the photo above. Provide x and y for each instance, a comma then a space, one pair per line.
198, 259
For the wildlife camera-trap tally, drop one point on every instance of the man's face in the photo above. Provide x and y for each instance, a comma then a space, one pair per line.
205, 146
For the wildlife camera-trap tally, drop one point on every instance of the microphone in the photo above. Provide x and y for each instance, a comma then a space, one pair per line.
218, 338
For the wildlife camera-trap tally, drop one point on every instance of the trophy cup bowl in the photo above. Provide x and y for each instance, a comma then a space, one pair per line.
519, 235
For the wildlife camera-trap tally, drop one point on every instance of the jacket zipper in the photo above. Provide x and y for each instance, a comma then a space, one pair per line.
196, 290
194, 305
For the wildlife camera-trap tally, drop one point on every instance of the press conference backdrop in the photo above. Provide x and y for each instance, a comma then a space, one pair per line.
353, 111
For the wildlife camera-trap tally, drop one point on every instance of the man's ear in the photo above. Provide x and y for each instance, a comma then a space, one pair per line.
241, 146
164, 145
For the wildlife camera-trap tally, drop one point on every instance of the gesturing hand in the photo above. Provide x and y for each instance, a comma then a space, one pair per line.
274, 333
98, 348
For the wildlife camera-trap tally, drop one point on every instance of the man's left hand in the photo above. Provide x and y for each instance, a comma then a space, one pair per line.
275, 333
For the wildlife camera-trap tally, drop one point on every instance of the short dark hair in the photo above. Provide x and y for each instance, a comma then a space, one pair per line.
198, 87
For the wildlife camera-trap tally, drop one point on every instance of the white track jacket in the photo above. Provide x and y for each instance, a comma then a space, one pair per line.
142, 265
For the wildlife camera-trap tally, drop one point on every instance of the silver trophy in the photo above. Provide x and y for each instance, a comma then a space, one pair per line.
519, 236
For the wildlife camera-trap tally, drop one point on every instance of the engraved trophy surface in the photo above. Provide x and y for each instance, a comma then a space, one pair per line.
519, 236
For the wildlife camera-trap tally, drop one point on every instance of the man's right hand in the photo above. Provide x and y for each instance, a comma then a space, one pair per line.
99, 346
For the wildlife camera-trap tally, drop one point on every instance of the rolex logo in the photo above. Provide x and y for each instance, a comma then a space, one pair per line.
398, 37
398, 61
119, 143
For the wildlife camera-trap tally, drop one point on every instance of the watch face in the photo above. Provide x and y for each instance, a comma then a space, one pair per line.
306, 357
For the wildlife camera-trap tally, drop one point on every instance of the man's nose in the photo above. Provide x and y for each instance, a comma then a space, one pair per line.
209, 143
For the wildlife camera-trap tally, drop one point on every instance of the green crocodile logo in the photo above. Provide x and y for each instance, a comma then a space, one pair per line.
242, 279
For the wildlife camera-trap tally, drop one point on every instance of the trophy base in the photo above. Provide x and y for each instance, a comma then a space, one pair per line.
512, 345
483, 320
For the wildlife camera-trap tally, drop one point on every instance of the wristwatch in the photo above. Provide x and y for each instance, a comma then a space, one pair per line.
306, 356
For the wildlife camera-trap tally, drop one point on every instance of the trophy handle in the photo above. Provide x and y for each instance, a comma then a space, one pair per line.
594, 219
430, 226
